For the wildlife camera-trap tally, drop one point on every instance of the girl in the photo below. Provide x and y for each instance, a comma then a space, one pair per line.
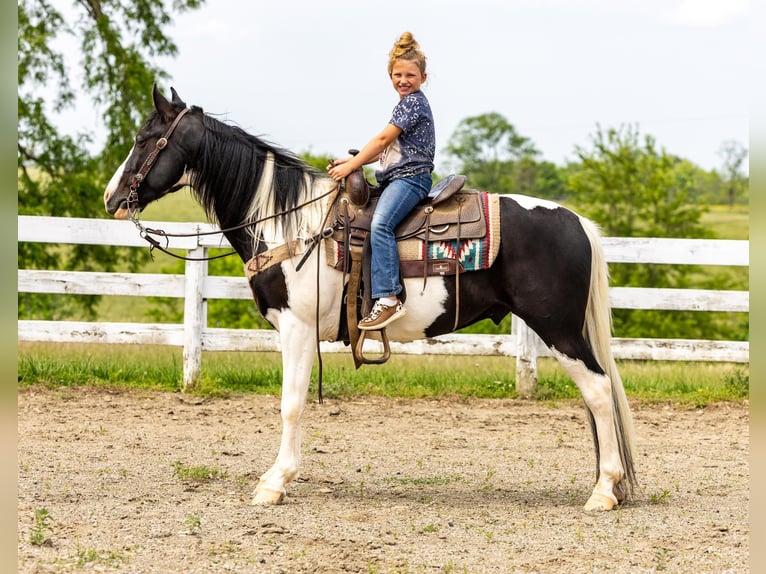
406, 148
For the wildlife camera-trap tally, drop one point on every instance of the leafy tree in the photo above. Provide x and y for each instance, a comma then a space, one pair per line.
734, 156
58, 175
485, 148
631, 189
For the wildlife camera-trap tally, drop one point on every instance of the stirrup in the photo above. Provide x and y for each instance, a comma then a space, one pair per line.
359, 352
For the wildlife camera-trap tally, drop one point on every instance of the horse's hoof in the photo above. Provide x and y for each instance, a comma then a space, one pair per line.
599, 503
266, 496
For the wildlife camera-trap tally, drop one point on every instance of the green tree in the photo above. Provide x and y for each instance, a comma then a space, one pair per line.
736, 183
58, 175
632, 189
486, 148
490, 152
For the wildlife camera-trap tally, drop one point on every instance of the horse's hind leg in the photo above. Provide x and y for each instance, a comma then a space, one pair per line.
596, 389
298, 347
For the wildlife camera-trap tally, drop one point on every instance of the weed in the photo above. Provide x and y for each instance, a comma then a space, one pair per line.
661, 556
660, 498
738, 383
91, 555
193, 523
86, 555
429, 528
196, 473
38, 537
423, 481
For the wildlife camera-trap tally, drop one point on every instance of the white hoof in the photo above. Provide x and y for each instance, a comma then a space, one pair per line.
599, 503
266, 496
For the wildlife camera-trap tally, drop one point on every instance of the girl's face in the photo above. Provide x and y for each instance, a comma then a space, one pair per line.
406, 77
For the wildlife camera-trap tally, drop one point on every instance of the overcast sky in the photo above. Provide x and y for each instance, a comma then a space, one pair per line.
311, 75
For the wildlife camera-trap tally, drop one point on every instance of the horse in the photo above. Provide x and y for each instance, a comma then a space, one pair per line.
550, 271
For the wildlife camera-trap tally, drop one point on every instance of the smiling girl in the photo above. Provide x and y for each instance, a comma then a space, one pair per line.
405, 148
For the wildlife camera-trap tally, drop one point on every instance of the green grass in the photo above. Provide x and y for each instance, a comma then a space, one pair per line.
160, 368
728, 223
179, 206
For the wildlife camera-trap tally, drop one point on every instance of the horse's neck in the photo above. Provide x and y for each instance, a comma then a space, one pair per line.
271, 228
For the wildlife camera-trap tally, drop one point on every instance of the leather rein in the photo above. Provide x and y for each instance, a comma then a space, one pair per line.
147, 233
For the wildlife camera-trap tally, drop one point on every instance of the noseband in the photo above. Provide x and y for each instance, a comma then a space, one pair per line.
149, 162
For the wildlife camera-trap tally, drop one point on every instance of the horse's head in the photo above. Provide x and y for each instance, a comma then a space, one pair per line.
158, 164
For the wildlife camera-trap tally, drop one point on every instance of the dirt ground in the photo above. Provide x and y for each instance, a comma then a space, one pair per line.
387, 486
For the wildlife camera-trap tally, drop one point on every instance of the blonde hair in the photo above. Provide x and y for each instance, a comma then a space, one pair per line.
406, 48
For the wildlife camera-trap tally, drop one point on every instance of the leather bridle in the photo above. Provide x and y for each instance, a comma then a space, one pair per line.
139, 177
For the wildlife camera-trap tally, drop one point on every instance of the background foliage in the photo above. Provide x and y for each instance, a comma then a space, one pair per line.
622, 180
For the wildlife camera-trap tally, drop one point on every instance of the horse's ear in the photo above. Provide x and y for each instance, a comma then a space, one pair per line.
162, 105
177, 101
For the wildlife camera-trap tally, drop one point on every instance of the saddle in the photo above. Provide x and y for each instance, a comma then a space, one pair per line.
447, 214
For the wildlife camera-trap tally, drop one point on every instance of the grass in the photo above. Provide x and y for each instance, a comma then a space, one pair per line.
39, 535
692, 384
196, 474
728, 223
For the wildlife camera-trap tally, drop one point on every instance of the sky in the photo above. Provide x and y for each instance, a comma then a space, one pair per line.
311, 76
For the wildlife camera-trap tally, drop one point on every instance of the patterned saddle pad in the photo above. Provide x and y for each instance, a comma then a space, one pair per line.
474, 252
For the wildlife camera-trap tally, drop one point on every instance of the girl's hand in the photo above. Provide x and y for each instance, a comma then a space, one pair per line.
339, 168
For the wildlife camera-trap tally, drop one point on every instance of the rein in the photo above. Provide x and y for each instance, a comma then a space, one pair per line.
146, 233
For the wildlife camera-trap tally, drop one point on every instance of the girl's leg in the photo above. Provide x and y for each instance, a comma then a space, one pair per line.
398, 199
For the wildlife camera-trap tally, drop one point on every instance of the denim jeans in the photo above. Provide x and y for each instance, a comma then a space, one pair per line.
398, 198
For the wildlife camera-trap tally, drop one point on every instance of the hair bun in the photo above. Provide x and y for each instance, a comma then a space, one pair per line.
406, 47
406, 42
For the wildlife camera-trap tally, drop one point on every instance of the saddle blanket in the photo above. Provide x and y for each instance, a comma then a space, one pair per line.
473, 254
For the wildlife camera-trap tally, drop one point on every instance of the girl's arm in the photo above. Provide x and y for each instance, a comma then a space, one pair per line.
340, 168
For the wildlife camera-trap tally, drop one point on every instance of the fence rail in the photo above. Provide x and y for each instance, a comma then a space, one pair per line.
196, 287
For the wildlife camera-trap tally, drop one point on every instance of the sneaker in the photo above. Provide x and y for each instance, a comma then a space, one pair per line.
381, 316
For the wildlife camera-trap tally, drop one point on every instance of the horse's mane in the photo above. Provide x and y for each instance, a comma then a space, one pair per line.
239, 177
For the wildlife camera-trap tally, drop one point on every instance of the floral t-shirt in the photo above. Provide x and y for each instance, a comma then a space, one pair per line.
412, 153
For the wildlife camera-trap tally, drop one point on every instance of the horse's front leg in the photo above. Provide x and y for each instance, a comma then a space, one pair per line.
298, 342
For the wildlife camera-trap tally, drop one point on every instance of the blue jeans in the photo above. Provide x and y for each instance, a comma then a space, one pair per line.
397, 200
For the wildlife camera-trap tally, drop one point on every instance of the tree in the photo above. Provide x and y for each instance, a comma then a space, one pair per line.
630, 188
734, 156
58, 175
486, 149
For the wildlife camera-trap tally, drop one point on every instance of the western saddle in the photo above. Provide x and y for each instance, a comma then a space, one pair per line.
447, 214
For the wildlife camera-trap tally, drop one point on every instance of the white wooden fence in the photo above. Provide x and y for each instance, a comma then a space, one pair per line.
196, 287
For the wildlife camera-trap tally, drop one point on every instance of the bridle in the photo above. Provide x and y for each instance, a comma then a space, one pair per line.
139, 177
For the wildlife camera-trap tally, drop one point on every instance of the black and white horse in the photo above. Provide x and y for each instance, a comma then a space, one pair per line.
550, 271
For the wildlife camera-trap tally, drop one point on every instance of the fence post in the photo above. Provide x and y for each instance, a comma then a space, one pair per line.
526, 357
195, 316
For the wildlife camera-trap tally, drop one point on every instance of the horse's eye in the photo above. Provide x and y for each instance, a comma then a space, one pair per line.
140, 141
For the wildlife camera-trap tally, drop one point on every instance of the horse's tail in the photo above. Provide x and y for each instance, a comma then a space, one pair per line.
598, 333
